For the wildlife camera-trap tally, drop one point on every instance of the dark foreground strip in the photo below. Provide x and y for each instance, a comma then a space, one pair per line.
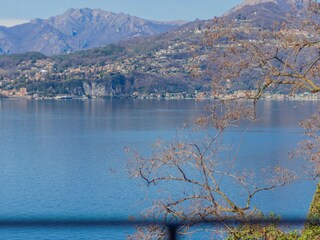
172, 227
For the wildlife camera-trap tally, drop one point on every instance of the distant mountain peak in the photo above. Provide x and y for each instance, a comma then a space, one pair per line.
285, 5
266, 13
86, 11
78, 29
255, 2
279, 2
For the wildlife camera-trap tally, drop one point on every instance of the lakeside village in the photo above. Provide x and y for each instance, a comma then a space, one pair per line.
196, 95
176, 58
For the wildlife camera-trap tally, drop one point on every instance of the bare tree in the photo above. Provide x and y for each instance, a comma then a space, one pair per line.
200, 180
309, 149
250, 62
245, 63
287, 55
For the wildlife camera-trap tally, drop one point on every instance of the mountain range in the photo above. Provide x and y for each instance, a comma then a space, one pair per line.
173, 61
77, 29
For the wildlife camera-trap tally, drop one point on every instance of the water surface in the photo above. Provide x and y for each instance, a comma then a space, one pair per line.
67, 158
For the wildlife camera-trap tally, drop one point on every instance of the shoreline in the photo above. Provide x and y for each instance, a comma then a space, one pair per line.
169, 96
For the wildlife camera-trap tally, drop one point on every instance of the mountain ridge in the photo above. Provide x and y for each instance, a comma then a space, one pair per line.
284, 5
174, 61
77, 29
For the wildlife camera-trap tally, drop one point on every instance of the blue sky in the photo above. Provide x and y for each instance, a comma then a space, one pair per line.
16, 11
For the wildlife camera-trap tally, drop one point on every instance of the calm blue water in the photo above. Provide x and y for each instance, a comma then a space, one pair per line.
67, 158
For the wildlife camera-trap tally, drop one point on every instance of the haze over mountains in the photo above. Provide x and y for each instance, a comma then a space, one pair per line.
77, 29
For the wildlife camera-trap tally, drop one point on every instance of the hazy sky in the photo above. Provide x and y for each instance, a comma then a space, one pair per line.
16, 11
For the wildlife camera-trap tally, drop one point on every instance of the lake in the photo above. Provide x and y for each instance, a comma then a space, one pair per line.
67, 158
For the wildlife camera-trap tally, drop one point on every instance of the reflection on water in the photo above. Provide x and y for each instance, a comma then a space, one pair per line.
285, 114
67, 157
